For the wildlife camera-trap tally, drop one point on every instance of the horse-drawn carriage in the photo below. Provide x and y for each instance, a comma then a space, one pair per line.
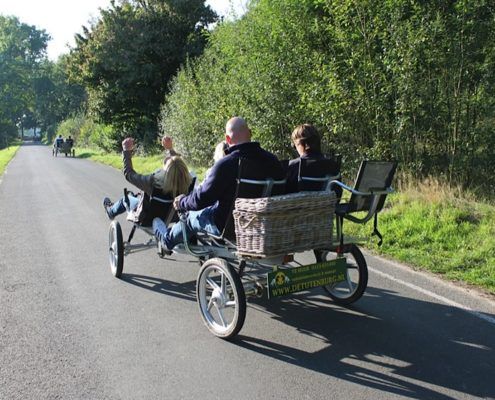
258, 253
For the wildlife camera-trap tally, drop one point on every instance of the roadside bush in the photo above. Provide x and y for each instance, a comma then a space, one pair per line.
405, 80
87, 133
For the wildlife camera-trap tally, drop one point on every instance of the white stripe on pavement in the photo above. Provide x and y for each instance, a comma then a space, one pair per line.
444, 300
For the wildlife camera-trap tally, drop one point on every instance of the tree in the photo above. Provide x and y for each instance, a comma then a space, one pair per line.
22, 48
403, 79
126, 59
55, 97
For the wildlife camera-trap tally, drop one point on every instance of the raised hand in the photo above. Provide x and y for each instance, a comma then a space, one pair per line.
128, 144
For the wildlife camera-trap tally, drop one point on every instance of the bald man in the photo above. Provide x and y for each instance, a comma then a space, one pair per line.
210, 204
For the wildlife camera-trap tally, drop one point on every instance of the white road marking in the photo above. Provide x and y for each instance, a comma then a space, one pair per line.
444, 300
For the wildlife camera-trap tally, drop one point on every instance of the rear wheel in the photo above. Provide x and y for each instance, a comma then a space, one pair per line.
116, 249
350, 290
221, 298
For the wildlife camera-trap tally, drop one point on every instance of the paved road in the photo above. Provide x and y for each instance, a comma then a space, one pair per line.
69, 330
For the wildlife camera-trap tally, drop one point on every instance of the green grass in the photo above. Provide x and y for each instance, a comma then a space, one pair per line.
143, 165
439, 231
6, 155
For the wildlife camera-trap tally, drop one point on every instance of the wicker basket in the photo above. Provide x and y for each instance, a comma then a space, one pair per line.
284, 224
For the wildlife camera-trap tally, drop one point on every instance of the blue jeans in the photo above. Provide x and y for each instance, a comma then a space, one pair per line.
120, 206
197, 221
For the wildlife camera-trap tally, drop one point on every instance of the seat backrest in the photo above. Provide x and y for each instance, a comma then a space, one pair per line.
156, 205
373, 176
316, 174
252, 182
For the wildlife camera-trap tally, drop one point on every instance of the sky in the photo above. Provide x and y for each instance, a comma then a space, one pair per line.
61, 19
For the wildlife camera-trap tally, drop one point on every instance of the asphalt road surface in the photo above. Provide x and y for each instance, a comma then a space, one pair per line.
70, 330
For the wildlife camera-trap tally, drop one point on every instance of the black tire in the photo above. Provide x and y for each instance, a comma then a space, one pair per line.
116, 249
221, 298
349, 291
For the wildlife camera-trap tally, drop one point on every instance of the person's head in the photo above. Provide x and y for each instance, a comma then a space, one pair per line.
237, 131
306, 139
176, 179
60, 136
167, 142
220, 149
69, 137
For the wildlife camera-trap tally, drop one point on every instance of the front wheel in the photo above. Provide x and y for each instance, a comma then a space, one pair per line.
116, 249
221, 298
350, 290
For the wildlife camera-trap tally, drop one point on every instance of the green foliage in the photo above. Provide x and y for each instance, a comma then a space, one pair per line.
127, 57
56, 98
405, 79
445, 235
22, 49
87, 133
6, 155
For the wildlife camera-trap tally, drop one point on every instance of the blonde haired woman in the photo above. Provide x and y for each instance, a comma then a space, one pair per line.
168, 182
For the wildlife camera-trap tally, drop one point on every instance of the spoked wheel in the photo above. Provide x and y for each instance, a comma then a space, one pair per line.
116, 249
221, 298
350, 290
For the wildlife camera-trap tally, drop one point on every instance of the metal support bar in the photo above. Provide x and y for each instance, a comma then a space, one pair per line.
183, 222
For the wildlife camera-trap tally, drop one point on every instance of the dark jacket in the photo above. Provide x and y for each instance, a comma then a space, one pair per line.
147, 183
218, 189
332, 168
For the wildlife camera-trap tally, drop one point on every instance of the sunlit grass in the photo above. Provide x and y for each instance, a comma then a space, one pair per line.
6, 155
143, 165
433, 227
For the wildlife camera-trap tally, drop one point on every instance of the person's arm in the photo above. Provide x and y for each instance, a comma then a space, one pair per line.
210, 191
168, 146
143, 182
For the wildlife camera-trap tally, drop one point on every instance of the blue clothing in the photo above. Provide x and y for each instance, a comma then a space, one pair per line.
197, 221
218, 189
120, 206
59, 141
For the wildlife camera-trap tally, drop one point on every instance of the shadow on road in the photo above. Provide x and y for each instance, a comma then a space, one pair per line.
387, 342
185, 290
84, 155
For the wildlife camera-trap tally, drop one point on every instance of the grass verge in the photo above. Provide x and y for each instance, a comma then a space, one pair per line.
144, 165
439, 230
6, 155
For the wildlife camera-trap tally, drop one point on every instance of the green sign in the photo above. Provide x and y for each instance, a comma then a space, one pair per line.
291, 280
